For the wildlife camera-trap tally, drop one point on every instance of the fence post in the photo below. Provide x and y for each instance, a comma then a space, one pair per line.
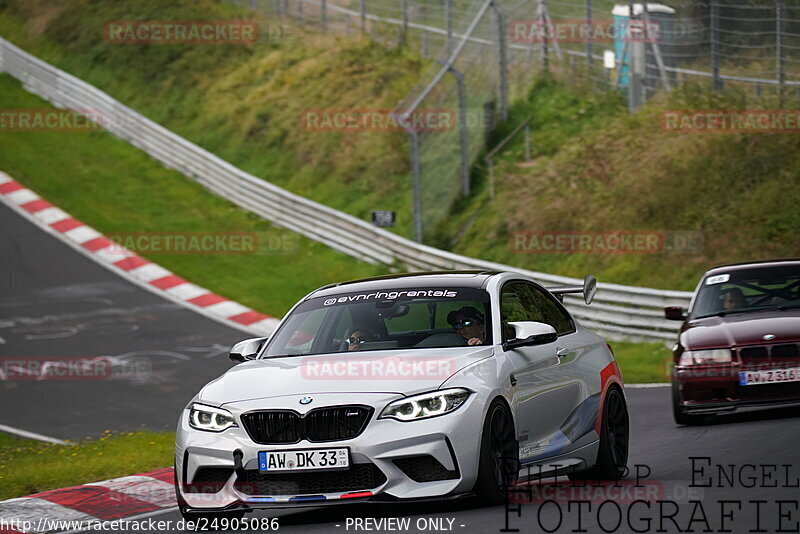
543, 28
324, 7
362, 9
634, 82
404, 28
415, 185
781, 59
502, 35
252, 4
448, 16
490, 169
448, 24
589, 43
528, 142
300, 9
462, 130
714, 26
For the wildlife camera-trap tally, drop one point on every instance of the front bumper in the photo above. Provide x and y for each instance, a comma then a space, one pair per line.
453, 440
715, 389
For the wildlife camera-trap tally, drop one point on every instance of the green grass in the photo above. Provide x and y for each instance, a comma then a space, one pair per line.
116, 188
642, 363
28, 466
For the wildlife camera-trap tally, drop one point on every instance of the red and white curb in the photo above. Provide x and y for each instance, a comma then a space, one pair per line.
80, 507
129, 265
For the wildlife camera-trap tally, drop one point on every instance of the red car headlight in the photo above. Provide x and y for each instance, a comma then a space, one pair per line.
697, 357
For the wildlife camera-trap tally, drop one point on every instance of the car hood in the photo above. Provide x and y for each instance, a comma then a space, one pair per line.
403, 372
742, 329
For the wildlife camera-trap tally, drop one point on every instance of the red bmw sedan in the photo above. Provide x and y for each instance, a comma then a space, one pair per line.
739, 345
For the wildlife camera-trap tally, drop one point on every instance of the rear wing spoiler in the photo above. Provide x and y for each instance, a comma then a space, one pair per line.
588, 289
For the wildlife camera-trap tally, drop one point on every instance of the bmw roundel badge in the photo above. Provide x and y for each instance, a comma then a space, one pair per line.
306, 400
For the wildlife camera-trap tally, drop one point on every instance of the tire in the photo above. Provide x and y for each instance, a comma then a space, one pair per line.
612, 456
198, 517
681, 417
498, 465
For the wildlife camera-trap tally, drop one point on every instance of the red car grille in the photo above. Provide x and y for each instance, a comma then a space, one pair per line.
762, 357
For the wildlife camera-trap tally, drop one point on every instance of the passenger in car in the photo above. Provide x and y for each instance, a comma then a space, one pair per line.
468, 323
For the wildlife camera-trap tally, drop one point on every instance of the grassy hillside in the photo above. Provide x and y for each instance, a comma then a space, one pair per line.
594, 168
617, 172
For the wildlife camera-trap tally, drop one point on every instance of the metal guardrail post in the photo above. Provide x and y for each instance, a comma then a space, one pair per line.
781, 58
324, 15
502, 38
362, 12
716, 82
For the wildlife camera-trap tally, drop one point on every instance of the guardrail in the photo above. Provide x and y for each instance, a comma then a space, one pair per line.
619, 312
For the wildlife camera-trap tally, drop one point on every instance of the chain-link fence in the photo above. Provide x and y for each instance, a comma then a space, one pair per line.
485, 52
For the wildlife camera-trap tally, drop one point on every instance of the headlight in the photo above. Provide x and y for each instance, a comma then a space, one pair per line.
694, 357
210, 419
425, 405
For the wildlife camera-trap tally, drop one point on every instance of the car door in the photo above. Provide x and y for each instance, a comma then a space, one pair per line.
545, 392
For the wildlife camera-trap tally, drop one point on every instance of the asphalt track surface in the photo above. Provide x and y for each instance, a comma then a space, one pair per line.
55, 303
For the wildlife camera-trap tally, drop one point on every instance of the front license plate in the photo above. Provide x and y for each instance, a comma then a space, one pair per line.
773, 376
303, 460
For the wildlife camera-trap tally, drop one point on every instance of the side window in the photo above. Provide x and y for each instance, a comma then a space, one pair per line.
551, 313
517, 304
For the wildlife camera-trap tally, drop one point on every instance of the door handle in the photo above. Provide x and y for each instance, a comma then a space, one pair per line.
513, 379
560, 353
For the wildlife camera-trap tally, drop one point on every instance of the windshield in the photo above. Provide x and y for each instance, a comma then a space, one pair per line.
387, 319
748, 290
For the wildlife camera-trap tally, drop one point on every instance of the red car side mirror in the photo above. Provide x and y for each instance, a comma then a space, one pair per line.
674, 313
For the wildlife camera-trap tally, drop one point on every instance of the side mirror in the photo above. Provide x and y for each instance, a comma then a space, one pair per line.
589, 288
674, 313
530, 333
247, 349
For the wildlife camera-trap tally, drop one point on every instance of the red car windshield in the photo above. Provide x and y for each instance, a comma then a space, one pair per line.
746, 290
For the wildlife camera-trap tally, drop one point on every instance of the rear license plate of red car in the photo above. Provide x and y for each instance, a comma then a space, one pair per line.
772, 376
